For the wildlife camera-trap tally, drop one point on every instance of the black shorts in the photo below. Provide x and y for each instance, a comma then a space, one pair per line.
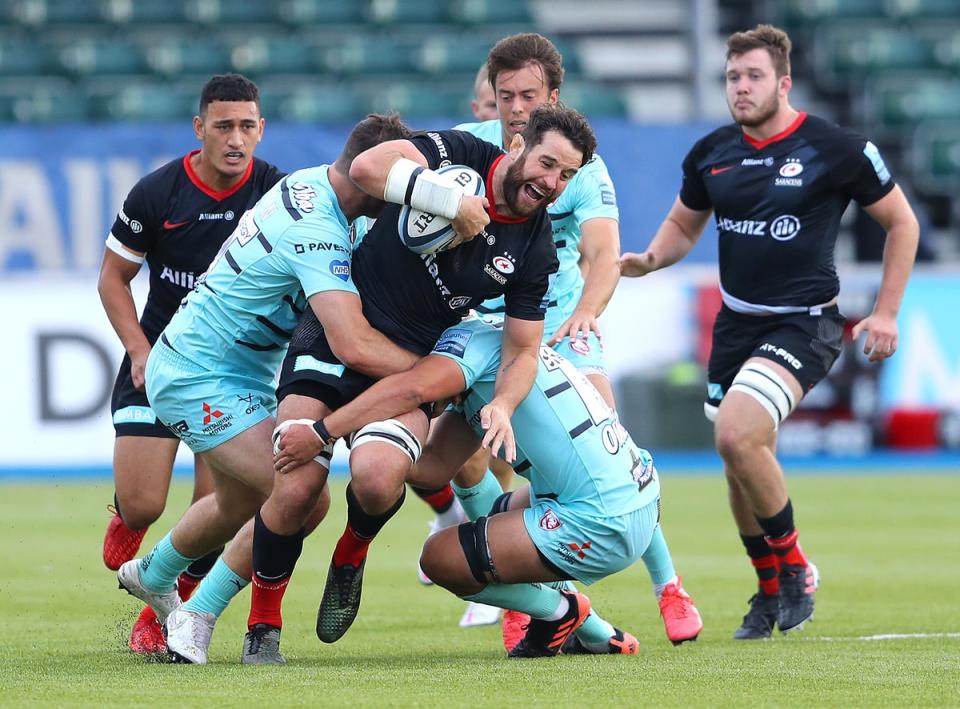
131, 412
312, 369
807, 345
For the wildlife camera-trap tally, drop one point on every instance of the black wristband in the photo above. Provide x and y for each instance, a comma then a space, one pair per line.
322, 432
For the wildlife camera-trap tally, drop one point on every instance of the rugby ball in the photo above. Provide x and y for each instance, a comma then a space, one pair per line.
425, 233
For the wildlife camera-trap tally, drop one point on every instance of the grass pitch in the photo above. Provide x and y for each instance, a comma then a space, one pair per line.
887, 548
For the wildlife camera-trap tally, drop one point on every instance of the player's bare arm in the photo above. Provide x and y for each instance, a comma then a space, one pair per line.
388, 171
353, 340
433, 378
674, 239
518, 369
113, 285
600, 258
895, 215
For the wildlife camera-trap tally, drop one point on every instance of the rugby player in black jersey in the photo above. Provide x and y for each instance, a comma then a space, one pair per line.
176, 218
412, 299
778, 181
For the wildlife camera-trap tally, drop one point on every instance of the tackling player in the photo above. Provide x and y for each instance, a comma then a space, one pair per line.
412, 299
526, 71
778, 181
175, 219
589, 511
210, 377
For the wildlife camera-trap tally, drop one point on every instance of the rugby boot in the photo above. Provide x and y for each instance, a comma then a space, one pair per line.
514, 626
797, 587
544, 638
188, 636
261, 646
162, 602
622, 643
681, 619
478, 614
341, 601
758, 622
120, 543
146, 637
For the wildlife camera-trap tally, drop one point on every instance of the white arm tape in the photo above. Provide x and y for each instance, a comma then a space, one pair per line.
409, 182
114, 244
325, 455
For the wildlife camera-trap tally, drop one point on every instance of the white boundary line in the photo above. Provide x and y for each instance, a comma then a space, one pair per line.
889, 636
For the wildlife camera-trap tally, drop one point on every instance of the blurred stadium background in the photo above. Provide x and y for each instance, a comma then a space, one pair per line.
95, 93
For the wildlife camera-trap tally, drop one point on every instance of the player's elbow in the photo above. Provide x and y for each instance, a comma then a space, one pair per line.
364, 171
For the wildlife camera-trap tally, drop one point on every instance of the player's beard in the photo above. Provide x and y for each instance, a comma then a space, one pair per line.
761, 114
512, 184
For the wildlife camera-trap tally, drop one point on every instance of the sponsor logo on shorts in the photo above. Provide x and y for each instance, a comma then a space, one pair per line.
549, 521
453, 341
580, 346
574, 552
458, 301
179, 428
135, 414
214, 420
782, 354
248, 399
340, 269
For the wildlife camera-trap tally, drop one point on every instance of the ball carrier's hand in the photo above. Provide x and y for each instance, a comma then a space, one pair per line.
471, 219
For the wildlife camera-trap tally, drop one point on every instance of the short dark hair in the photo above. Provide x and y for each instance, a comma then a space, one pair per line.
520, 50
567, 122
773, 39
228, 87
376, 128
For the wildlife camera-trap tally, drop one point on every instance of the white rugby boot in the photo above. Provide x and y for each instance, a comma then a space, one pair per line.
162, 602
188, 635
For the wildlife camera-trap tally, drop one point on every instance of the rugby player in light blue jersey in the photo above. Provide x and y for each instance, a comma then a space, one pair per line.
526, 71
210, 378
590, 509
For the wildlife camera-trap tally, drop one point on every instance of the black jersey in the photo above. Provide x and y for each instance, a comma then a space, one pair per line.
181, 223
778, 205
412, 299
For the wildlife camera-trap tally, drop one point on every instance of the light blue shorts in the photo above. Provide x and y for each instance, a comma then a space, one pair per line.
205, 408
585, 547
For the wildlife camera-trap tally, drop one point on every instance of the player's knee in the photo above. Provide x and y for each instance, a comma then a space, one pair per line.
473, 470
140, 511
442, 560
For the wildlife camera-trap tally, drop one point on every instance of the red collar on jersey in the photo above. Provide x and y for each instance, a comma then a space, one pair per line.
761, 144
205, 188
492, 209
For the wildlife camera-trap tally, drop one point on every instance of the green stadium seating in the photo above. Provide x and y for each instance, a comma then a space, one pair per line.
101, 57
309, 102
388, 12
896, 103
144, 101
494, 12
42, 102
854, 51
24, 56
255, 55
370, 54
304, 13
145, 14
593, 99
797, 13
176, 56
417, 101
935, 148
47, 13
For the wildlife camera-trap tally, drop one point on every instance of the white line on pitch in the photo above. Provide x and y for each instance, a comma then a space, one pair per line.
891, 636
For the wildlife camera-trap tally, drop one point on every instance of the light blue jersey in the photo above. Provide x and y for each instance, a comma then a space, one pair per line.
295, 242
590, 194
571, 446
210, 376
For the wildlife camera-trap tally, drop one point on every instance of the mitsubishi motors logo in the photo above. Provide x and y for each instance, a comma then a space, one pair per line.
210, 413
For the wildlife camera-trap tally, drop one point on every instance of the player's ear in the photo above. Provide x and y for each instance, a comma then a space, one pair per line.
516, 146
786, 83
198, 127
